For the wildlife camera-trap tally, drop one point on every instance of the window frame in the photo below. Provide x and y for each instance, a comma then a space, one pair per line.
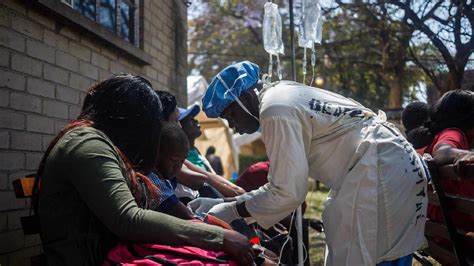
75, 19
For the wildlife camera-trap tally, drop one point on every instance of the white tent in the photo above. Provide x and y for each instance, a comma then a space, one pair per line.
196, 87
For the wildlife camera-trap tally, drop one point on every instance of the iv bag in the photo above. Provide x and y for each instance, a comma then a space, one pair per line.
302, 40
310, 14
272, 41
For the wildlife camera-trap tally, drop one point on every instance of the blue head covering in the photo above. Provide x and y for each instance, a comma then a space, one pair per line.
191, 111
228, 85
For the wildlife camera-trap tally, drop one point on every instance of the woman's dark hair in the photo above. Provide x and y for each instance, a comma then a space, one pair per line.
168, 102
455, 109
128, 111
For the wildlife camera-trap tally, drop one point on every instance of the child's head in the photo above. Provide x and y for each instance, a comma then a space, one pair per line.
174, 147
414, 115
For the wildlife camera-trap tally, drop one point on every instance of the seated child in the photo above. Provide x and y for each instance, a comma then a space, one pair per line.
191, 177
174, 148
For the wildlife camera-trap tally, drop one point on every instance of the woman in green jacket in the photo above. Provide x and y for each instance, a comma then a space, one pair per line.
92, 189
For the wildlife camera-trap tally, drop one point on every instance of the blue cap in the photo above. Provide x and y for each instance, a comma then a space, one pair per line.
238, 78
192, 110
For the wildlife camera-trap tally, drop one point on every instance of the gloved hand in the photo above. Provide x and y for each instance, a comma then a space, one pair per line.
250, 220
243, 197
203, 205
226, 211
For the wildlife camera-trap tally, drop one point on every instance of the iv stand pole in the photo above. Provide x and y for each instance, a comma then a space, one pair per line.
299, 217
292, 46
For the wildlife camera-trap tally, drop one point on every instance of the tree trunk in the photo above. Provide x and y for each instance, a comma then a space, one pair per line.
454, 81
432, 93
395, 93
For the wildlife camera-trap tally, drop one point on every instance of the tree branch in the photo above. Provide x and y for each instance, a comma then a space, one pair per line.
419, 25
457, 29
427, 71
440, 20
425, 7
432, 10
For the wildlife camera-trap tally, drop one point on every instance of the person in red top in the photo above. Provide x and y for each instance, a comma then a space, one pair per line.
448, 136
452, 137
254, 176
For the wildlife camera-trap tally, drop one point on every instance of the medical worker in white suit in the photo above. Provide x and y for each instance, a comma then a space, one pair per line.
376, 209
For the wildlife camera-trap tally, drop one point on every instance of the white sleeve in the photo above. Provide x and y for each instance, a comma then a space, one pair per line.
288, 177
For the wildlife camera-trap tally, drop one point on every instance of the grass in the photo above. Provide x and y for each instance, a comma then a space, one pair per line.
315, 201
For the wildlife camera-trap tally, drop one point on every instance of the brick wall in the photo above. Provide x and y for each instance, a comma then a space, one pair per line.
45, 69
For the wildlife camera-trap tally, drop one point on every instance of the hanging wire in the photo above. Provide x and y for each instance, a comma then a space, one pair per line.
304, 66
306, 254
313, 65
288, 238
270, 68
279, 72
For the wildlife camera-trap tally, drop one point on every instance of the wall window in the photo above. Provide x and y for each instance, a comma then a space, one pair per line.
118, 16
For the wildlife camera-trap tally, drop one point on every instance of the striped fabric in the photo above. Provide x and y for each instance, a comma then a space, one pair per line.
165, 188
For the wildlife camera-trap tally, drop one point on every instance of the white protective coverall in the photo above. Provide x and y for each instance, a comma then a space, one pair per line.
377, 205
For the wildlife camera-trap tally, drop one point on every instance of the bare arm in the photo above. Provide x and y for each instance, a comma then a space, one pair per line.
444, 153
191, 178
223, 185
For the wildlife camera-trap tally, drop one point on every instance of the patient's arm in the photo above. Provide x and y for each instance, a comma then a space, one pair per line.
191, 178
223, 185
444, 153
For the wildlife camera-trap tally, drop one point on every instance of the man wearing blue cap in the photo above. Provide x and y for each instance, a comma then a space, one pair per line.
192, 128
196, 164
376, 209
